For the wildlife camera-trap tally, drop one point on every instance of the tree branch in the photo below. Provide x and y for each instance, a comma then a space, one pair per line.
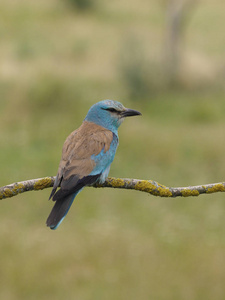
148, 186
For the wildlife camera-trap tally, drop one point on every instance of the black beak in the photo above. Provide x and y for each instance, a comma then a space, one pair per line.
130, 112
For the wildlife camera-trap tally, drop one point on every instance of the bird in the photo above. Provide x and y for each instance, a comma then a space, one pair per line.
87, 155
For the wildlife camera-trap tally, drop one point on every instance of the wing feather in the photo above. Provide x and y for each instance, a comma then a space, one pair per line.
76, 162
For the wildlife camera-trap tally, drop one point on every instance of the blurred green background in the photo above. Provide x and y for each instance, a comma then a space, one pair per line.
164, 58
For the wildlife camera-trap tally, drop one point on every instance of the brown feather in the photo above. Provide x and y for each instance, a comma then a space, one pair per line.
89, 139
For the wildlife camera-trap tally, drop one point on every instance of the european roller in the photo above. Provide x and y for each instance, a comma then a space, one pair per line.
87, 155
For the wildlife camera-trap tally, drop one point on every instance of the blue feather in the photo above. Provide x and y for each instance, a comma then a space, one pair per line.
104, 159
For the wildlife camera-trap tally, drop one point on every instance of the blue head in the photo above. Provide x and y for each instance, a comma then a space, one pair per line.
109, 114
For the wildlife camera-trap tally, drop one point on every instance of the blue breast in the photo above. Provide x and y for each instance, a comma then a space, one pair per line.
104, 159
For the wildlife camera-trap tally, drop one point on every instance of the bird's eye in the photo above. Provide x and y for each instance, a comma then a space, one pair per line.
111, 109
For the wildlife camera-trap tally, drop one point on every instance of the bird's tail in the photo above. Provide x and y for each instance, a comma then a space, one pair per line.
59, 211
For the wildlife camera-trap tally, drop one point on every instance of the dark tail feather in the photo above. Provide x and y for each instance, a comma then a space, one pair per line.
59, 211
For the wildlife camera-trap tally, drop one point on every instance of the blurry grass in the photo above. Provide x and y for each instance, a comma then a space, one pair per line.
55, 63
82, 5
117, 244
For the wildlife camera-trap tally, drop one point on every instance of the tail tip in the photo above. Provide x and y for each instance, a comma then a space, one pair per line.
54, 226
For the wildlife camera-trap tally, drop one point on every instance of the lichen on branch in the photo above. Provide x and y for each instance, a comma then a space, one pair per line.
148, 186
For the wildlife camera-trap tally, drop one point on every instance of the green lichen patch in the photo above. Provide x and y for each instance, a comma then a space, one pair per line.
43, 183
116, 182
154, 189
7, 193
189, 193
10, 192
216, 188
145, 186
19, 187
164, 192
